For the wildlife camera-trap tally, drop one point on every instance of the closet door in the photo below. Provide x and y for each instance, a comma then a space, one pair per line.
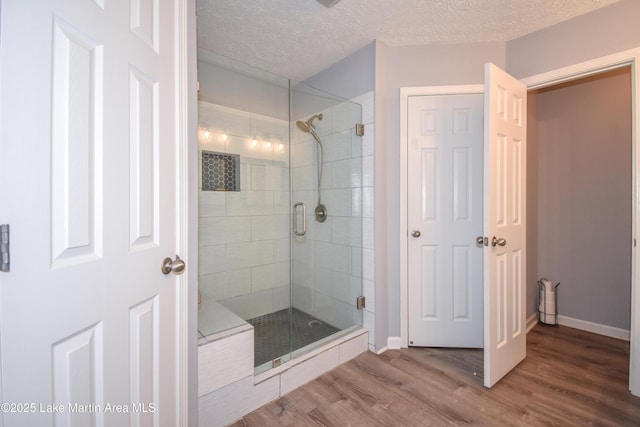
505, 115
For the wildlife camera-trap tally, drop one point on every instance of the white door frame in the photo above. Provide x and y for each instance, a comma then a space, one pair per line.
630, 58
187, 213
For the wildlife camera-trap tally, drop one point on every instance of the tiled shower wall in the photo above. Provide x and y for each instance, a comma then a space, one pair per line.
244, 236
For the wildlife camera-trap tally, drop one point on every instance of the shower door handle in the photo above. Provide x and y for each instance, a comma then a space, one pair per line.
295, 219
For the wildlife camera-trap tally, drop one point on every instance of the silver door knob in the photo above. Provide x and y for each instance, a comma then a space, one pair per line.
415, 233
176, 266
498, 241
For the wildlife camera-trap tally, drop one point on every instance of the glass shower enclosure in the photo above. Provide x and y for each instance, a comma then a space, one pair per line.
280, 210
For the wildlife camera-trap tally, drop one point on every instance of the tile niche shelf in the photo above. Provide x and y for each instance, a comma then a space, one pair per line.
220, 171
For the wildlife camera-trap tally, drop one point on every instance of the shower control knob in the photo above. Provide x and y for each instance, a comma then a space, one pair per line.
415, 233
176, 266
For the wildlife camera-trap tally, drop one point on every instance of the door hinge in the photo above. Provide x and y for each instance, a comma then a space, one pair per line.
359, 129
360, 302
4, 247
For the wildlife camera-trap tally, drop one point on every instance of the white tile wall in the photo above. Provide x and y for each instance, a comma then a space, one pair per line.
226, 284
252, 254
337, 146
225, 360
212, 203
223, 230
211, 259
244, 245
223, 406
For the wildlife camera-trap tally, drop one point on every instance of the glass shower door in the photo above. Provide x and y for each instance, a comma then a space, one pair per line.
326, 238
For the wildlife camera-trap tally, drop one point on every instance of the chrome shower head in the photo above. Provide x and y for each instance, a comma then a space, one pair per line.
308, 126
303, 126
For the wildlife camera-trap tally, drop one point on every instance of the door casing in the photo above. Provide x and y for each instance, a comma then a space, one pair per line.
630, 58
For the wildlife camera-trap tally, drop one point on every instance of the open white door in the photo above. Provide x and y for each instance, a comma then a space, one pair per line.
444, 214
505, 116
88, 172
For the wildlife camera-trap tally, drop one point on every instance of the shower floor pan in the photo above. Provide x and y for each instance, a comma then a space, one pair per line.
271, 333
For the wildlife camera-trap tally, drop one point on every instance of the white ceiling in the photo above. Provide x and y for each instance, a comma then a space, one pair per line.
298, 38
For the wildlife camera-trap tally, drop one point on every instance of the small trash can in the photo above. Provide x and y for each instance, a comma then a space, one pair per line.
547, 302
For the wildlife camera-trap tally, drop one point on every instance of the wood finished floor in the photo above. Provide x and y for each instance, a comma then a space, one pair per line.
569, 378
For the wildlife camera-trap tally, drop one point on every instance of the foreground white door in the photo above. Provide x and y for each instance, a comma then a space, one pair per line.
87, 149
505, 118
445, 161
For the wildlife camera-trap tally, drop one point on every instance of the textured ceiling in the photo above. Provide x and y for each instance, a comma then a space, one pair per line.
298, 38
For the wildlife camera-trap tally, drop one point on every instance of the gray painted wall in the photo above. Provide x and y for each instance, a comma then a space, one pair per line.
350, 77
602, 32
584, 204
263, 93
384, 308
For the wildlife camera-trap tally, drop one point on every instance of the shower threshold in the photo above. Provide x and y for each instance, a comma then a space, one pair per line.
271, 333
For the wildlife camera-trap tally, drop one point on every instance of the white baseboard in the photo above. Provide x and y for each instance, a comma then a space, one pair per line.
584, 325
596, 328
532, 321
382, 350
394, 343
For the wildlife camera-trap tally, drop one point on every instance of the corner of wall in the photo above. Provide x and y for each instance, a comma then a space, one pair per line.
381, 221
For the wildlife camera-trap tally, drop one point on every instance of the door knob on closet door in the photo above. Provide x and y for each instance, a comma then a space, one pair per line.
172, 266
498, 241
415, 233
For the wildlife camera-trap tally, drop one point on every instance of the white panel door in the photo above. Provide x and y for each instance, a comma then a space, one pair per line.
87, 149
505, 115
445, 155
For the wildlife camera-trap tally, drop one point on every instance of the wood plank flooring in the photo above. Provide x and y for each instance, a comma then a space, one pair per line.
569, 378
